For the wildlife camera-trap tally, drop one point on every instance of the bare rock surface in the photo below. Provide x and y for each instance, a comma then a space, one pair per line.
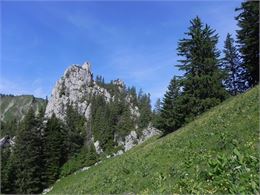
74, 88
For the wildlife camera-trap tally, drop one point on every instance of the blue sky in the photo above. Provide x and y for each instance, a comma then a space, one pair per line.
133, 41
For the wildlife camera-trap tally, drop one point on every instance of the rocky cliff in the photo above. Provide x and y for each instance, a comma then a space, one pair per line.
76, 88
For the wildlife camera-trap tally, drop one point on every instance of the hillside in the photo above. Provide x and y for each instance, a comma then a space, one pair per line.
15, 107
216, 153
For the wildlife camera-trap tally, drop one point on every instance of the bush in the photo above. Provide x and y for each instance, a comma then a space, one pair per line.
86, 157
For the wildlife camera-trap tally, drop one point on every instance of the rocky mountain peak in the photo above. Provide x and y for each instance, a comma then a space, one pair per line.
73, 88
87, 66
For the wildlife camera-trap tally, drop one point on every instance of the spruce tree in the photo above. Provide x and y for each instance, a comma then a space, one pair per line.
248, 38
8, 172
125, 123
75, 131
144, 105
170, 119
28, 156
202, 80
102, 128
157, 113
234, 81
54, 147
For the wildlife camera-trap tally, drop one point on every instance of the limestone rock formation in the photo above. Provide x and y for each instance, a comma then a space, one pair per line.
133, 139
74, 88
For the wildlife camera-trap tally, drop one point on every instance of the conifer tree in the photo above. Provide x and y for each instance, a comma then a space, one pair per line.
157, 113
8, 172
231, 65
133, 95
125, 123
102, 127
202, 81
54, 147
248, 38
75, 131
28, 156
144, 104
170, 118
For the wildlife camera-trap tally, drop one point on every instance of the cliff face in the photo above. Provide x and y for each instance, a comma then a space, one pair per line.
74, 88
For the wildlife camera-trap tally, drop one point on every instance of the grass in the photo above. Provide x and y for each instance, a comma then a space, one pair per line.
216, 153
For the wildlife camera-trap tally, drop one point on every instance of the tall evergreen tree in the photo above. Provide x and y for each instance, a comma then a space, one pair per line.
8, 172
157, 106
202, 81
157, 113
248, 38
125, 123
28, 156
102, 127
75, 131
54, 147
234, 81
144, 104
133, 95
170, 118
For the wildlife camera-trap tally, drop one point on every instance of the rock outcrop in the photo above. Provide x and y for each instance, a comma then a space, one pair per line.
74, 88
6, 141
133, 139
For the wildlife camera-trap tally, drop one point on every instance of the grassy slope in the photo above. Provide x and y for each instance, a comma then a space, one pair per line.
15, 107
179, 162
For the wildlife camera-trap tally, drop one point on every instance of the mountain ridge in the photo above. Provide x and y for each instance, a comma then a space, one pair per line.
15, 106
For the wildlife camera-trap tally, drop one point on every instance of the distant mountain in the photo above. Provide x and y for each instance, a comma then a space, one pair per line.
15, 107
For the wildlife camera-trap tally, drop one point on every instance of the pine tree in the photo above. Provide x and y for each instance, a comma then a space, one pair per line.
133, 95
157, 113
103, 119
54, 147
75, 131
28, 156
248, 38
144, 105
170, 119
202, 81
8, 172
125, 123
102, 128
234, 81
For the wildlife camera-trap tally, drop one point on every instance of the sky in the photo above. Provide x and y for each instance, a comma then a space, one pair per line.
134, 41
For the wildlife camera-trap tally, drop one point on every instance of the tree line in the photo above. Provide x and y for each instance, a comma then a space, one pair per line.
208, 79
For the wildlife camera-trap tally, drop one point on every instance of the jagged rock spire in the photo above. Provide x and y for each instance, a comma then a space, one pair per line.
74, 88
87, 66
